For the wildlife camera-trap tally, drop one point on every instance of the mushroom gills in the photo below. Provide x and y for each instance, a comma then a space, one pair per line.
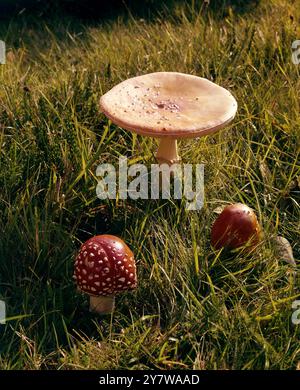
102, 304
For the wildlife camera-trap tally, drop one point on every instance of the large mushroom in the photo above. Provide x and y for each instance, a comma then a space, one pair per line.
104, 266
169, 106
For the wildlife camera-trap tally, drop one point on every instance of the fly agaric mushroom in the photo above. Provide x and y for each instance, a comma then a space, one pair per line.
235, 227
104, 266
169, 106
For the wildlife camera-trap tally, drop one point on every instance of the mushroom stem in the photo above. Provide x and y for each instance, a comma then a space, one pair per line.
102, 304
167, 151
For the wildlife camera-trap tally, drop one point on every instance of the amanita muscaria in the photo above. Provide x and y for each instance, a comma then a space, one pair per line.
104, 266
169, 106
235, 227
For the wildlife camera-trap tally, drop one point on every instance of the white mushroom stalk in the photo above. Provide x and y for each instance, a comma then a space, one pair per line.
169, 106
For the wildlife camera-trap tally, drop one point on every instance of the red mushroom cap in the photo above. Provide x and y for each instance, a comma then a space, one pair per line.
235, 227
105, 266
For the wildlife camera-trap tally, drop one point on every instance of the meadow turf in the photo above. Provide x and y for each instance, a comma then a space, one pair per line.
194, 307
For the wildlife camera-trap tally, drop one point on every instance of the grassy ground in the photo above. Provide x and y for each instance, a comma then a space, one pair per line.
194, 308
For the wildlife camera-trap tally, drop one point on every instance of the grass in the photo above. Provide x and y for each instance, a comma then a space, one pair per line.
195, 308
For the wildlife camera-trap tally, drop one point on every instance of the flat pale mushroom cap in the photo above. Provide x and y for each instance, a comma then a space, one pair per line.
169, 104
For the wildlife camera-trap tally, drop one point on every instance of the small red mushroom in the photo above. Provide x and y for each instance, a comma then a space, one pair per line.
104, 266
236, 227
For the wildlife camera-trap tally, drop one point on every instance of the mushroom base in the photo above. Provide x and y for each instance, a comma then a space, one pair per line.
101, 304
167, 151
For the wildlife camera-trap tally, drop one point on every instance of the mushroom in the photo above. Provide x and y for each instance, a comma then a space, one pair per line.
236, 227
104, 266
169, 106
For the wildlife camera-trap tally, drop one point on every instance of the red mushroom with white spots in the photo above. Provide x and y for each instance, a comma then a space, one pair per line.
104, 266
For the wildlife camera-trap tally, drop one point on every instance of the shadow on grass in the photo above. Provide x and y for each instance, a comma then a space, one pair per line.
29, 18
93, 10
